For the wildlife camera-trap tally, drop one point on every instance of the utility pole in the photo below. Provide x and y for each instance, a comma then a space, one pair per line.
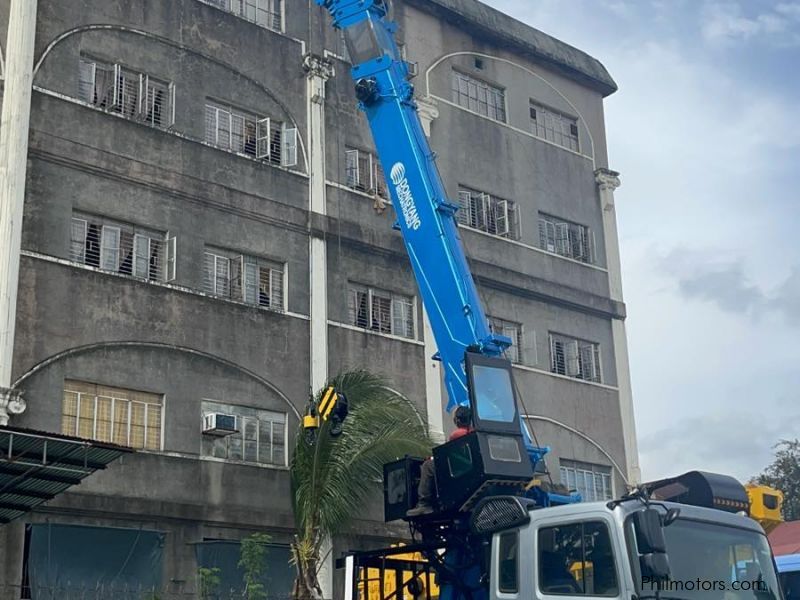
14, 126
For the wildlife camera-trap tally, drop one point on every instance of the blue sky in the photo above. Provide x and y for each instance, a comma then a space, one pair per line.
706, 133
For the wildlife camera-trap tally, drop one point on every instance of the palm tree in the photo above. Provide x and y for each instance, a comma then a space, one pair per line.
329, 476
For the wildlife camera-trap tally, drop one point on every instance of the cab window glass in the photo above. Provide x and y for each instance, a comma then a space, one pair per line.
577, 559
508, 567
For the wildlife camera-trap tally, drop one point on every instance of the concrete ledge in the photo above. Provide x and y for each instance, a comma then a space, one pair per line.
540, 47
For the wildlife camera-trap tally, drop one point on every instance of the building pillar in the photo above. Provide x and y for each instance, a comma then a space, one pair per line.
14, 125
318, 71
428, 109
607, 182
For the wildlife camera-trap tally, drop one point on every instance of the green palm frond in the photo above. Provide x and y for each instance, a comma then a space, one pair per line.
332, 479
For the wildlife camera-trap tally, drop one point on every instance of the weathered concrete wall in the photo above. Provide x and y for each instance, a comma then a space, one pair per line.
176, 341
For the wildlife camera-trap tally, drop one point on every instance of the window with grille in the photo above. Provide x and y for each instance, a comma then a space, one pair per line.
575, 358
513, 331
108, 414
133, 94
554, 126
363, 172
382, 311
566, 238
122, 248
260, 437
592, 481
487, 213
479, 96
266, 13
243, 133
243, 278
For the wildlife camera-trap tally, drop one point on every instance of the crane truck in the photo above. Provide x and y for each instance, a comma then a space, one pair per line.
499, 531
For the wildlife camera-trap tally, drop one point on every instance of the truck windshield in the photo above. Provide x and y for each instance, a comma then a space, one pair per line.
710, 561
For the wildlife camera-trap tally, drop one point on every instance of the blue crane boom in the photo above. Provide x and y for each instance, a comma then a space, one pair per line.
425, 216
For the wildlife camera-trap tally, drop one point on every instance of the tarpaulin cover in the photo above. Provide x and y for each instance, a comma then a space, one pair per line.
77, 557
225, 555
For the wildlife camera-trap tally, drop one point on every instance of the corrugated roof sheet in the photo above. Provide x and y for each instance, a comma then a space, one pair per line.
36, 466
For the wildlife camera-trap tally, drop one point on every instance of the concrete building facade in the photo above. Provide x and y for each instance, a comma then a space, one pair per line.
206, 230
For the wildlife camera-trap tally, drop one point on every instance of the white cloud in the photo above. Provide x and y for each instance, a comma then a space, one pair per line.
708, 160
727, 23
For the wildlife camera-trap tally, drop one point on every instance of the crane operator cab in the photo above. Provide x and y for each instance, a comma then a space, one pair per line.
490, 460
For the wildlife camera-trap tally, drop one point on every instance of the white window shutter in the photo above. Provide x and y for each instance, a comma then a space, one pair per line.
141, 255
551, 236
171, 111
263, 130
210, 277
109, 248
86, 79
289, 146
529, 355
116, 104
464, 207
170, 271
562, 239
373, 175
553, 354
542, 234
236, 275
485, 217
143, 100
571, 358
501, 217
592, 247
77, 250
351, 165
277, 291
250, 281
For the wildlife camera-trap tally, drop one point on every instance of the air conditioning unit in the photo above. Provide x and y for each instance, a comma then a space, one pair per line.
219, 424
413, 69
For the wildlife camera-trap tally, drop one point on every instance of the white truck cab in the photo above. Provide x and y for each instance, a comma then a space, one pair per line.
591, 551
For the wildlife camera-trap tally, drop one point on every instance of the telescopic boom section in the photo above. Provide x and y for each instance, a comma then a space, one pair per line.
425, 216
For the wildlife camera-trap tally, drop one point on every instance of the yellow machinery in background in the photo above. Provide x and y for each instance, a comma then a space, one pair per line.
414, 585
765, 505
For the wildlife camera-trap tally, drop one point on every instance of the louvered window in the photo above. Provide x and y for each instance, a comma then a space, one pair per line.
566, 239
363, 172
554, 126
382, 311
244, 278
478, 96
488, 213
243, 133
266, 13
260, 437
108, 414
122, 248
511, 330
592, 481
133, 94
575, 358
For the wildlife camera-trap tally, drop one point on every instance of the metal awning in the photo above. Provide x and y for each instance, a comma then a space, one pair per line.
36, 466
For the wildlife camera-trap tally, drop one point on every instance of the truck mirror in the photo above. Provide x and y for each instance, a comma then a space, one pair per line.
654, 566
651, 544
649, 532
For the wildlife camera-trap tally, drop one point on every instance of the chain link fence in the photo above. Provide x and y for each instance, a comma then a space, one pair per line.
101, 592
